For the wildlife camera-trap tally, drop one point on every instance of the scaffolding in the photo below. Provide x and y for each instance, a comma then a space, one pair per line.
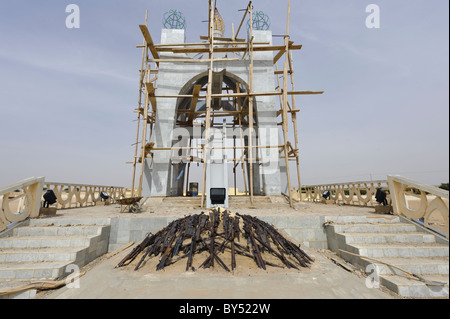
242, 115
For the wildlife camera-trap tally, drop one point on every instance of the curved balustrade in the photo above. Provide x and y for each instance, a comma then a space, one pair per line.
20, 201
354, 193
23, 200
79, 195
427, 199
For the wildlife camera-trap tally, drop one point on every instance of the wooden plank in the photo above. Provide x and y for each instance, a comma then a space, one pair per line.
194, 101
279, 55
151, 92
289, 111
149, 40
42, 285
281, 72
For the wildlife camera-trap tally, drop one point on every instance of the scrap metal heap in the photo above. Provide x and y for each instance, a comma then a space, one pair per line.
218, 235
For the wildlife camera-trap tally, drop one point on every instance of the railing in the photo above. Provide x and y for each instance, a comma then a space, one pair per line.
23, 200
353, 193
79, 195
419, 201
20, 201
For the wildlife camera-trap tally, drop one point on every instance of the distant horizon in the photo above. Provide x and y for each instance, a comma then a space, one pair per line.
67, 95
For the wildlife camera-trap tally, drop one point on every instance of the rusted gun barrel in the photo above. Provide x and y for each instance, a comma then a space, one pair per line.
262, 231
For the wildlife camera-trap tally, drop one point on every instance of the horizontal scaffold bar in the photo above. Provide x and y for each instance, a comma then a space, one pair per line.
241, 94
191, 60
212, 147
228, 49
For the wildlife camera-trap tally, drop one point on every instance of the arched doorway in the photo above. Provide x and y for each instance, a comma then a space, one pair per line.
229, 113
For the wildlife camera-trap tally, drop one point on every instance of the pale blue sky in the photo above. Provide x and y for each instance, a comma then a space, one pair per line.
67, 95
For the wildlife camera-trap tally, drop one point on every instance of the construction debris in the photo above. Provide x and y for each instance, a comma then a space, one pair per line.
219, 236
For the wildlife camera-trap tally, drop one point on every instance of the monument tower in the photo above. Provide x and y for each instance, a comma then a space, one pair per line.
218, 103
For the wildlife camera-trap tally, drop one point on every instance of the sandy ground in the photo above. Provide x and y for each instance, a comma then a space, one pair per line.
323, 280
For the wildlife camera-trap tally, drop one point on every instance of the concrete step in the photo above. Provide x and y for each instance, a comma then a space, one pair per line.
43, 248
12, 274
45, 241
56, 230
399, 250
55, 254
69, 222
390, 237
373, 228
382, 219
408, 287
396, 243
415, 265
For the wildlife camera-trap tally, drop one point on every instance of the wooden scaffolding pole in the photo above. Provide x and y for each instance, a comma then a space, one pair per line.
144, 135
208, 98
294, 123
188, 165
240, 107
242, 21
285, 106
250, 104
141, 85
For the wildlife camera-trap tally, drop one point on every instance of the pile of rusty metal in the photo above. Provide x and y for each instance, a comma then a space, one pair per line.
218, 236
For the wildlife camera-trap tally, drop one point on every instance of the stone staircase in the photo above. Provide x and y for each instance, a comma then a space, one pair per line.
42, 249
398, 242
